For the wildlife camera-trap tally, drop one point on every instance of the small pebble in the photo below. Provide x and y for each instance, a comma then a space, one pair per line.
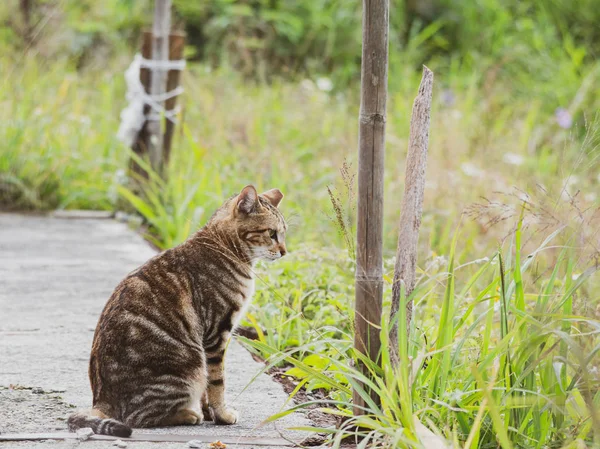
84, 434
195, 444
120, 443
37, 390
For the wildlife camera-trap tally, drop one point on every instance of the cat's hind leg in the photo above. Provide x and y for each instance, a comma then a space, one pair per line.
190, 414
168, 400
184, 417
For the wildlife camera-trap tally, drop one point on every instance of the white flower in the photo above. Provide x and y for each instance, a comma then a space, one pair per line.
85, 120
513, 159
454, 396
440, 261
120, 176
471, 170
324, 84
307, 85
456, 114
572, 180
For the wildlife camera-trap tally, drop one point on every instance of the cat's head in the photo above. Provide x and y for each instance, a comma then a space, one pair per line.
257, 222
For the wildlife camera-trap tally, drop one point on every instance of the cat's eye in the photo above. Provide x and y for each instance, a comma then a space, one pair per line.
273, 234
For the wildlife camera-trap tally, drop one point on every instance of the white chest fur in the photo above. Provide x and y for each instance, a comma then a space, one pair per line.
249, 293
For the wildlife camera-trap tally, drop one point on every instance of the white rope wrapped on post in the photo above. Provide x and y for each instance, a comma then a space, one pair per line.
133, 117
162, 65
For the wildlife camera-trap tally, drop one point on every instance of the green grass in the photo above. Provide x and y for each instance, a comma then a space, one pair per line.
58, 127
508, 363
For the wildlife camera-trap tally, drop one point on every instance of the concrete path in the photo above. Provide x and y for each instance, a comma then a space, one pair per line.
55, 277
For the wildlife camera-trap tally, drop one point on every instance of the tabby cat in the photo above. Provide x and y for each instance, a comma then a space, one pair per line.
157, 355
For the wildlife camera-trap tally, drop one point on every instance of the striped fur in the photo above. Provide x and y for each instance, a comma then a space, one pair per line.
102, 426
158, 351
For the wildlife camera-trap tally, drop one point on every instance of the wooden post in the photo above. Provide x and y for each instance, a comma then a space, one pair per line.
369, 257
140, 146
160, 52
412, 206
176, 46
26, 6
142, 143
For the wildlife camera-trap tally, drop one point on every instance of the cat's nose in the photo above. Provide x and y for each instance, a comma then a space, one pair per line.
282, 250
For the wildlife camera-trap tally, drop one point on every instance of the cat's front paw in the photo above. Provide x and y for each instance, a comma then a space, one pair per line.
225, 415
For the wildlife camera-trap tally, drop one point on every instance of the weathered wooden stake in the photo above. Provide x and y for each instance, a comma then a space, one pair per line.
140, 146
412, 206
160, 52
369, 254
176, 45
26, 6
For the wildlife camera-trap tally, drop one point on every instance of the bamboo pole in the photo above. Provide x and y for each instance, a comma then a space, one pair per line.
176, 46
140, 145
160, 52
412, 206
369, 257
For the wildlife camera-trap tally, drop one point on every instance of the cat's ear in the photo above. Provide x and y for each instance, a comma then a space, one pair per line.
274, 196
247, 199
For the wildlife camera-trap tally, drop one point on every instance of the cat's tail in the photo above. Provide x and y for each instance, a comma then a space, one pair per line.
99, 423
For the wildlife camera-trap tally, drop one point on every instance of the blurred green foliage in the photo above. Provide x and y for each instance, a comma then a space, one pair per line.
503, 68
85, 32
264, 38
